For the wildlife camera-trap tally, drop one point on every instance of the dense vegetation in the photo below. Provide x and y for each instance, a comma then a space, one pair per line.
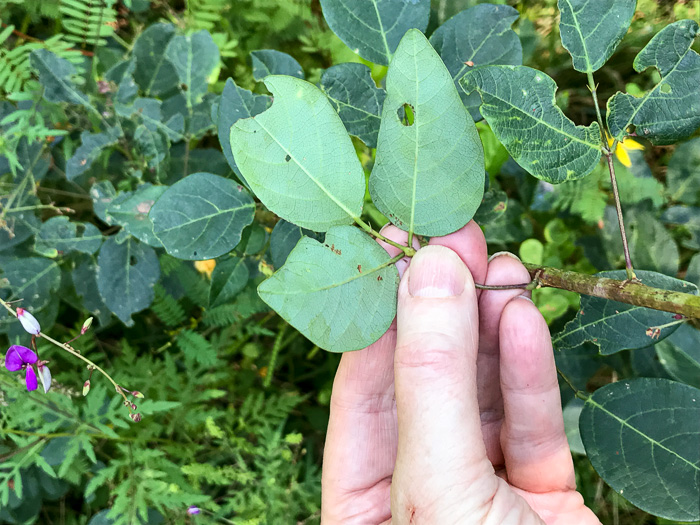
108, 109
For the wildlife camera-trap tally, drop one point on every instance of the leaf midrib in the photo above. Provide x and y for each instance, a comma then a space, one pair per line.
583, 41
624, 423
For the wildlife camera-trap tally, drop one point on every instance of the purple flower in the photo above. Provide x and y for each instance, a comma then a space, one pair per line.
19, 358
193, 510
29, 322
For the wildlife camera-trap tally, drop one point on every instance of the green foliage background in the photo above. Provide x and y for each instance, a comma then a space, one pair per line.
236, 400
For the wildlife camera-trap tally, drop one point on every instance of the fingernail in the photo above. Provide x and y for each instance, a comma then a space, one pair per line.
525, 297
498, 254
436, 271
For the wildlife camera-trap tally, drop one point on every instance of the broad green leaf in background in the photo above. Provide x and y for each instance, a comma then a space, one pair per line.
679, 354
155, 74
341, 294
572, 413
126, 274
154, 146
356, 97
272, 62
671, 110
228, 278
102, 193
373, 28
428, 176
84, 277
55, 74
236, 103
642, 437
130, 211
683, 174
92, 144
298, 158
194, 56
518, 103
284, 238
33, 280
59, 235
478, 36
149, 111
615, 326
692, 274
689, 218
651, 245
591, 29
493, 205
202, 216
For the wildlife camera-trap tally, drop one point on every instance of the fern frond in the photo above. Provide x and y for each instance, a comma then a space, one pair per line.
196, 348
88, 22
221, 316
205, 14
167, 308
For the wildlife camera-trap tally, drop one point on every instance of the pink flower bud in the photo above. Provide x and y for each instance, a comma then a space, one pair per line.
86, 326
193, 510
29, 322
137, 394
86, 387
136, 417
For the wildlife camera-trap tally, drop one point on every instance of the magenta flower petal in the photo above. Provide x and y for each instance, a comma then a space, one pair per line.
30, 379
17, 356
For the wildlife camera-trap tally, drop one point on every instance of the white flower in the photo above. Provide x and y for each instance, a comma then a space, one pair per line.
29, 322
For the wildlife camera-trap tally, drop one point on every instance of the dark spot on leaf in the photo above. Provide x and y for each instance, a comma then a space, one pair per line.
500, 206
406, 114
359, 268
132, 260
194, 253
379, 278
183, 87
287, 158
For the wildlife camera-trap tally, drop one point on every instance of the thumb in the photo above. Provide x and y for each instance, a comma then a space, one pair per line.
440, 441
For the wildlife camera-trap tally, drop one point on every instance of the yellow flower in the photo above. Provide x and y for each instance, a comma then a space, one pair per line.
622, 148
205, 267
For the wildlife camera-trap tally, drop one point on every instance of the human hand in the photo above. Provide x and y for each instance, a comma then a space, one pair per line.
454, 415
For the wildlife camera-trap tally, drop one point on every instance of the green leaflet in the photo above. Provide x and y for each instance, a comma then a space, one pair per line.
493, 205
482, 36
228, 278
84, 278
340, 294
682, 181
671, 110
356, 97
59, 235
126, 274
679, 354
615, 326
130, 210
194, 56
642, 438
373, 28
272, 62
298, 158
236, 103
591, 29
518, 103
428, 176
284, 238
55, 75
155, 74
92, 144
202, 216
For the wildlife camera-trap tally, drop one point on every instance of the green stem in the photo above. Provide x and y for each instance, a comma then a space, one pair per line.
629, 292
608, 152
580, 394
408, 251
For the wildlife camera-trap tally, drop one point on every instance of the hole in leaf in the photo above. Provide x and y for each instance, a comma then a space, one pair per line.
287, 158
406, 114
665, 88
132, 260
